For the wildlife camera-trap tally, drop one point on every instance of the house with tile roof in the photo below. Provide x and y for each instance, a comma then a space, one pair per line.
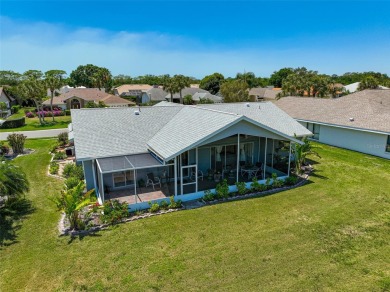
358, 121
151, 153
135, 90
78, 97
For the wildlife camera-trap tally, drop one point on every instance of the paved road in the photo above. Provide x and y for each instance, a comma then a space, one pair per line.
36, 134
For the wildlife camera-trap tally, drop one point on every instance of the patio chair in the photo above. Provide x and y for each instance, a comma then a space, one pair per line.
200, 175
152, 180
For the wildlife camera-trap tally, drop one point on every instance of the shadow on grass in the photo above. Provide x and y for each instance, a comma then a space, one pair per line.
316, 174
81, 236
11, 214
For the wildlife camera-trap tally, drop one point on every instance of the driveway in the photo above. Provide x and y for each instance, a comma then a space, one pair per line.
36, 134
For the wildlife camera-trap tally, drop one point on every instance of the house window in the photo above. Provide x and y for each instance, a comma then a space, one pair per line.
388, 144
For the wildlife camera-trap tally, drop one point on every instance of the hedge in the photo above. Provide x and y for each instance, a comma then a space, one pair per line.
10, 124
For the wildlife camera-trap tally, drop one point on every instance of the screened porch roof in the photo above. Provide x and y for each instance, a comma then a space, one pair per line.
128, 162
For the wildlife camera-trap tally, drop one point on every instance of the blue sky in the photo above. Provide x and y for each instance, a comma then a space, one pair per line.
195, 38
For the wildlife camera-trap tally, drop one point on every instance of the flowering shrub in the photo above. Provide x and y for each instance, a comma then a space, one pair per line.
29, 115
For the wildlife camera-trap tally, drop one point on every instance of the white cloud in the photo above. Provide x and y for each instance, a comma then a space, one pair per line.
47, 46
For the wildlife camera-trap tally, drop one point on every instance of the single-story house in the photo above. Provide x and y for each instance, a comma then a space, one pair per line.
150, 153
78, 97
153, 94
263, 93
8, 100
197, 97
132, 89
353, 87
185, 91
359, 121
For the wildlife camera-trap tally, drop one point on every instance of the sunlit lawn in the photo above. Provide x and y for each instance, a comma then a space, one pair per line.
33, 123
332, 234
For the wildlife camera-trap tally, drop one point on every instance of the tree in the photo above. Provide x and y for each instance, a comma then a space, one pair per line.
169, 85
368, 82
278, 77
10, 78
249, 78
301, 152
235, 91
212, 83
181, 82
13, 181
34, 89
90, 76
53, 81
188, 99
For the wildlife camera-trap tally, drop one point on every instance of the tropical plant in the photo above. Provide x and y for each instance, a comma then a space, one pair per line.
154, 207
181, 82
114, 211
222, 189
71, 201
73, 170
276, 183
300, 152
16, 141
188, 99
71, 182
369, 82
54, 167
241, 188
13, 181
169, 85
174, 204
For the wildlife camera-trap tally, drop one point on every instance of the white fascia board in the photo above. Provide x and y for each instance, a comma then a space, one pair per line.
344, 127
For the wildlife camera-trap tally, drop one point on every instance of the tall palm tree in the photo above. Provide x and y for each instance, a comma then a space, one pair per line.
13, 181
181, 82
34, 89
53, 81
169, 85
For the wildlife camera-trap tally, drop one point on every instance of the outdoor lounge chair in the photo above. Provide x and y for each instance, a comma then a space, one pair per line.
200, 175
152, 180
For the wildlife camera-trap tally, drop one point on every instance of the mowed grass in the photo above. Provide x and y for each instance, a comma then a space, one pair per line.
33, 124
332, 234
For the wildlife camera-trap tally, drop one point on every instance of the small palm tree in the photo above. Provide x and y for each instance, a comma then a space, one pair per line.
71, 202
13, 181
301, 152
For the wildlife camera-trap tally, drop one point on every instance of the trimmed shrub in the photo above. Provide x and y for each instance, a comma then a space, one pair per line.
67, 112
11, 124
59, 156
154, 207
54, 168
174, 204
114, 211
291, 180
164, 205
15, 109
222, 189
241, 188
73, 170
4, 149
16, 141
63, 138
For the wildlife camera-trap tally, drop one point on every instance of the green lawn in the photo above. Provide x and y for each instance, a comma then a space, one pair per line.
33, 124
332, 234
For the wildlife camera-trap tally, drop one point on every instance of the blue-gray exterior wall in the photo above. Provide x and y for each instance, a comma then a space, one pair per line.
361, 141
88, 174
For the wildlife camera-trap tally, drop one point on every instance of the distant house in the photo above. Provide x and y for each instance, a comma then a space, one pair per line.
184, 92
132, 89
8, 100
263, 93
358, 121
78, 97
153, 94
353, 87
197, 97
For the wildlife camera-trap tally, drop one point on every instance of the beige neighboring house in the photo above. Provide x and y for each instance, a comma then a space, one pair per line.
8, 100
194, 85
78, 97
263, 93
359, 121
132, 89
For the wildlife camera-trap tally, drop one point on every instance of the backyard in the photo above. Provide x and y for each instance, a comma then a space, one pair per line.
33, 123
331, 234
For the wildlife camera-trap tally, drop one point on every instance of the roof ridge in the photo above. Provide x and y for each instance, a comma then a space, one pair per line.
214, 110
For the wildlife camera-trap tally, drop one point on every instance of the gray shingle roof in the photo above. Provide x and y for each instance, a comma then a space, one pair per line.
370, 109
167, 129
156, 94
206, 95
184, 92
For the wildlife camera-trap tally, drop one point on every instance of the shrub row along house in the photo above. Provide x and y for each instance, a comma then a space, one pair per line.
150, 153
358, 121
79, 97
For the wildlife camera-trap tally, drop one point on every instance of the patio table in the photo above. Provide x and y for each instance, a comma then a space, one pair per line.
250, 171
